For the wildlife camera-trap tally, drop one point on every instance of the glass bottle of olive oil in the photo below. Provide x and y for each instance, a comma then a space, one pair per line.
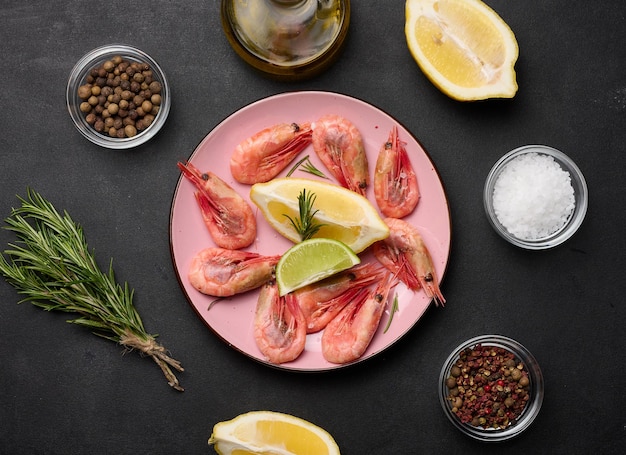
287, 39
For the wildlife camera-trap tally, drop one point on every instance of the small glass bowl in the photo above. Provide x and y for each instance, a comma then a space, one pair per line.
536, 390
580, 196
77, 78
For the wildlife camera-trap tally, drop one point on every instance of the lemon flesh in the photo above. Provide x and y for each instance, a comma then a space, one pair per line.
271, 433
311, 261
345, 215
463, 47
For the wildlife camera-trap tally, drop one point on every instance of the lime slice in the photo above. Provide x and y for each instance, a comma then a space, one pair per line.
311, 261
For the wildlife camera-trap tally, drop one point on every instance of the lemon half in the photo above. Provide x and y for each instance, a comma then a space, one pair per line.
345, 215
464, 47
268, 432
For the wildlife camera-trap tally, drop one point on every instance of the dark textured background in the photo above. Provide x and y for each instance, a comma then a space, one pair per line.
64, 391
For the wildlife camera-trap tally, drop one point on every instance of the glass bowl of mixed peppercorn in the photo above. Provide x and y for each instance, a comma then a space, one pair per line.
118, 96
491, 388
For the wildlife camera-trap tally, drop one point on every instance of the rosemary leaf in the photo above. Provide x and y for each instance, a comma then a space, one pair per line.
305, 225
51, 266
306, 166
394, 309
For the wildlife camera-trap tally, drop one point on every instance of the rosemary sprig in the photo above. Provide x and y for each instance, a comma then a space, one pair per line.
306, 166
52, 267
305, 226
394, 309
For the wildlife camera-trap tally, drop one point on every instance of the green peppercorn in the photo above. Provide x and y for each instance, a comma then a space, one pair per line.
524, 381
450, 383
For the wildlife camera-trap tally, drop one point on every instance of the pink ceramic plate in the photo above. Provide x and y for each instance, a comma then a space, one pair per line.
232, 319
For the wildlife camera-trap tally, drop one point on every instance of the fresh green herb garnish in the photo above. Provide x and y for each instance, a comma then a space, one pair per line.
308, 167
53, 268
305, 226
394, 309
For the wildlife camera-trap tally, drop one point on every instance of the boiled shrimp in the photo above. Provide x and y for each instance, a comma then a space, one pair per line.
348, 335
339, 145
279, 325
264, 155
228, 217
395, 183
405, 254
320, 302
221, 272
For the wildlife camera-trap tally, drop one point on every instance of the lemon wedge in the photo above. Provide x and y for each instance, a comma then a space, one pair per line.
345, 215
268, 432
311, 261
464, 47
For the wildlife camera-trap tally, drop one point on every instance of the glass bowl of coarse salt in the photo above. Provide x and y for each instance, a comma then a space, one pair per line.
535, 197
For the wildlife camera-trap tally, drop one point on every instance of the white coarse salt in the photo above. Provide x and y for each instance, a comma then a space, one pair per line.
533, 196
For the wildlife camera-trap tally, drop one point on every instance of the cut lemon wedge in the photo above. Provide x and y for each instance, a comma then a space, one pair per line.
463, 47
267, 432
311, 261
344, 215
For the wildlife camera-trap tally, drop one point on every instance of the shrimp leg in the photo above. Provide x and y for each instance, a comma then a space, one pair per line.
264, 155
405, 254
348, 335
320, 302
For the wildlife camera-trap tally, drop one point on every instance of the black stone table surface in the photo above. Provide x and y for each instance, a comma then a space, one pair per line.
65, 391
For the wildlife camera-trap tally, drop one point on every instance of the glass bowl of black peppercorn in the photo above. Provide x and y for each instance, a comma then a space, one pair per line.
491, 388
118, 96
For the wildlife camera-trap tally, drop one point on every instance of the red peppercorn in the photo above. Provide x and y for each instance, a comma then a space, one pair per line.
487, 388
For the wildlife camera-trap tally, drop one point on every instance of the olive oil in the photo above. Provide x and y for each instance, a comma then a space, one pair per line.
287, 39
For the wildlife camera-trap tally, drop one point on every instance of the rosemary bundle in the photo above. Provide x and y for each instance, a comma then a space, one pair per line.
52, 267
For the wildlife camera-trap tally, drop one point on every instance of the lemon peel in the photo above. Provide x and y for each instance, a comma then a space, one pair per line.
265, 432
